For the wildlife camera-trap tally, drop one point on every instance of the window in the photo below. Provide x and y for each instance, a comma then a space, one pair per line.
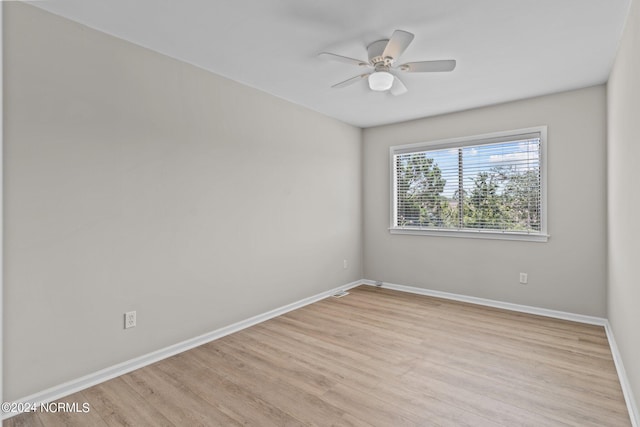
490, 186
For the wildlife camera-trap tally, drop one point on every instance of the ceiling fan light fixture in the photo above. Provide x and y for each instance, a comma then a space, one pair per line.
380, 81
383, 59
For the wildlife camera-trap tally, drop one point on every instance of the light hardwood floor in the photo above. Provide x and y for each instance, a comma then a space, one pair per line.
375, 357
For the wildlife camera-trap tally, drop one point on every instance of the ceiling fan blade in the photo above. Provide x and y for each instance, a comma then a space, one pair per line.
398, 88
350, 81
398, 43
340, 58
428, 66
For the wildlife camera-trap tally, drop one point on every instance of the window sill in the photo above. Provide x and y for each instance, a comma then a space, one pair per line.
472, 234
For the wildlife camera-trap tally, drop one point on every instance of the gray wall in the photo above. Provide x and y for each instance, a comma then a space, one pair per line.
623, 146
137, 182
566, 273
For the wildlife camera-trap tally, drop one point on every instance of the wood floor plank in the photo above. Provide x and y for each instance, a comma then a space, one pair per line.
375, 410
23, 420
174, 400
119, 405
376, 357
302, 405
239, 403
337, 368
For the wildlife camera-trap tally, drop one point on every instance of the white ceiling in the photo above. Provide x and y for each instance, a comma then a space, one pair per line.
505, 49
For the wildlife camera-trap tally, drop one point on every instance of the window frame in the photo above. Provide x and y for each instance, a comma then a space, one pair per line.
465, 141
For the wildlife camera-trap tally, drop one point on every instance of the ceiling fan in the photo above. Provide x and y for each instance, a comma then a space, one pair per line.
383, 55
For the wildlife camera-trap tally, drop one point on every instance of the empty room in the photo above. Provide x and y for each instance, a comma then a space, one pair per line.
296, 212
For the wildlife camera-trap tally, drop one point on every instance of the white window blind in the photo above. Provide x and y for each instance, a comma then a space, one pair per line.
488, 184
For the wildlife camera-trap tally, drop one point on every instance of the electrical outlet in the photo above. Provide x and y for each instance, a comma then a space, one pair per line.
523, 278
345, 264
129, 319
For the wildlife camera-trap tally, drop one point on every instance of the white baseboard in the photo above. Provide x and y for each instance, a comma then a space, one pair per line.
622, 375
617, 359
74, 386
592, 320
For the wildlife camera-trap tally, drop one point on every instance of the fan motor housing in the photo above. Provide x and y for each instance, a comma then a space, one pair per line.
375, 51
